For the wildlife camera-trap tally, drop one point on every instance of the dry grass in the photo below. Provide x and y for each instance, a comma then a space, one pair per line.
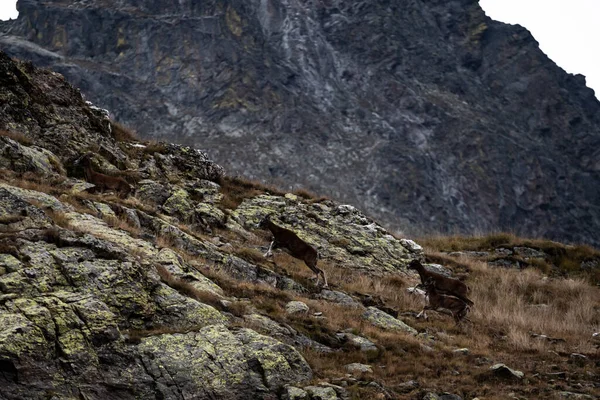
31, 181
155, 147
123, 134
249, 254
519, 303
11, 219
121, 222
308, 195
501, 329
59, 218
235, 190
507, 312
203, 296
566, 258
17, 137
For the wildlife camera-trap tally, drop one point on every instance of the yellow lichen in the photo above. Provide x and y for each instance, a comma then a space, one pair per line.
234, 21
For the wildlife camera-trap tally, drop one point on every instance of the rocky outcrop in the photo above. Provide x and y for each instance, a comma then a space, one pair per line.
71, 301
429, 115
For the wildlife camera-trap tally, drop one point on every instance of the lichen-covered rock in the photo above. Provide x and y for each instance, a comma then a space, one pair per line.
79, 294
151, 192
385, 321
179, 205
338, 297
217, 363
321, 393
296, 307
358, 368
294, 393
21, 158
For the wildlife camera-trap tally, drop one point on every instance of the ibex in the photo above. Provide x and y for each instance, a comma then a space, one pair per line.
443, 284
102, 181
457, 306
298, 248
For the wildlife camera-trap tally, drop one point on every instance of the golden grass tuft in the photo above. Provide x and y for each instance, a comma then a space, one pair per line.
11, 219
235, 190
17, 137
120, 222
203, 296
567, 258
155, 147
121, 133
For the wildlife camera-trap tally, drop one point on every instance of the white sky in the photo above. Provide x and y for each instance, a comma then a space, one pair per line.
8, 9
568, 30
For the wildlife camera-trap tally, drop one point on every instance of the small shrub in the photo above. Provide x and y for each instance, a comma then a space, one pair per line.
57, 165
155, 147
235, 190
249, 254
188, 289
59, 218
121, 133
17, 137
11, 219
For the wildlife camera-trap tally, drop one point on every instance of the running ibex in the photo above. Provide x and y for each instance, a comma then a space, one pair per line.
443, 284
438, 301
285, 238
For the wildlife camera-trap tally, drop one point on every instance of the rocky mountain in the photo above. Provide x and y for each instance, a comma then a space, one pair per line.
429, 115
162, 291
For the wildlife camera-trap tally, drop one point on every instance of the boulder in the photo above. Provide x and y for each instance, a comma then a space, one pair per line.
296, 307
385, 321
502, 371
357, 368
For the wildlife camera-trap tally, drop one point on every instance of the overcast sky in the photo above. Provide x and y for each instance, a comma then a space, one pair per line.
568, 30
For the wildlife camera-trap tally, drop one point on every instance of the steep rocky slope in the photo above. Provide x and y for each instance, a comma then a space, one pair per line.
166, 294
428, 115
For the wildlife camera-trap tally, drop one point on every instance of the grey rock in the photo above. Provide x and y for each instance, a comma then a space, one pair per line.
412, 246
474, 254
529, 252
321, 393
364, 344
407, 386
590, 265
294, 393
296, 307
338, 297
358, 368
386, 321
463, 351
571, 395
502, 371
152, 192
440, 269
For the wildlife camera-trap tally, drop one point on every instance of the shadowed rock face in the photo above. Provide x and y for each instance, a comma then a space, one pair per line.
428, 115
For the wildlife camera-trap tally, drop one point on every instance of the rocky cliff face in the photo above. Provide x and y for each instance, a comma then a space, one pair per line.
428, 115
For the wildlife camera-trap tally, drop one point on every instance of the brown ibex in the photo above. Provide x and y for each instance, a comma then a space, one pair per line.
443, 284
457, 306
298, 248
102, 181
